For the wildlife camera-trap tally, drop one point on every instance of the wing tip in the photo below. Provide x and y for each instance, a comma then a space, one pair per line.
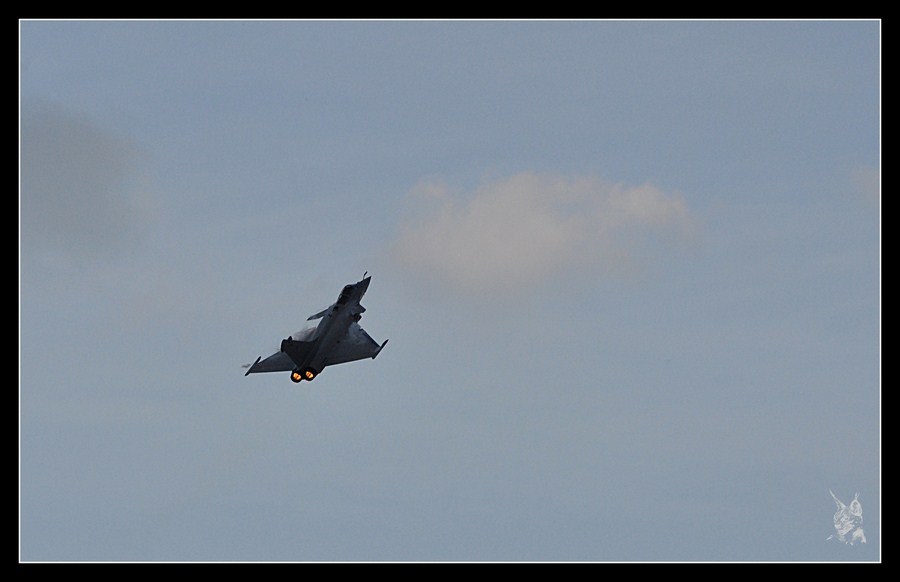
250, 367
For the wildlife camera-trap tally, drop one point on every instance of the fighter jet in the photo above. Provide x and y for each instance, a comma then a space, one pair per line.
334, 337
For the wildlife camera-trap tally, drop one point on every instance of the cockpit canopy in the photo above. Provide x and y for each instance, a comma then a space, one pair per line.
345, 295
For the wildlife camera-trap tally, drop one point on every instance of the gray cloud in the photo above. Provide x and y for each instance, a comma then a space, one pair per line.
527, 228
81, 190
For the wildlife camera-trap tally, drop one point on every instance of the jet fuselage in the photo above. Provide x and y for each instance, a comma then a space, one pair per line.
336, 338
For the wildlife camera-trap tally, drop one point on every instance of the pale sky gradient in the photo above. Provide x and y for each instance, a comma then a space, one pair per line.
630, 272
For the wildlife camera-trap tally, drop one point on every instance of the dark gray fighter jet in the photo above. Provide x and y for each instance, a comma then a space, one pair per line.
335, 339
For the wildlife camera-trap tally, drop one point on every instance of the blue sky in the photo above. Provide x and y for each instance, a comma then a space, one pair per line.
630, 272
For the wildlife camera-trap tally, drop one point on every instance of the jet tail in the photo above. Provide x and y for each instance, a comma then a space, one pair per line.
297, 350
379, 349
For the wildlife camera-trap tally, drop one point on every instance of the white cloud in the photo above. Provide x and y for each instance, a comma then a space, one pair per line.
867, 183
524, 229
